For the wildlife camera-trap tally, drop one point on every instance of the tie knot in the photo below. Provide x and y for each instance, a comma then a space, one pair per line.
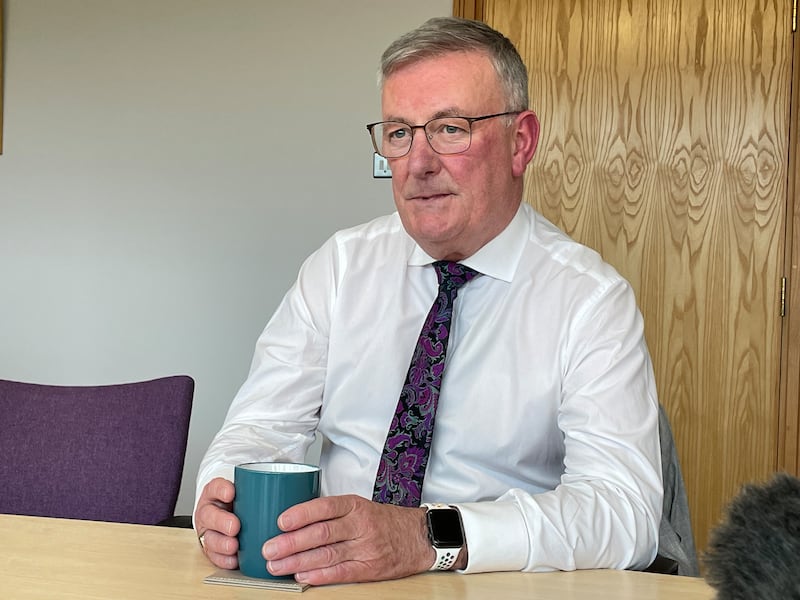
453, 275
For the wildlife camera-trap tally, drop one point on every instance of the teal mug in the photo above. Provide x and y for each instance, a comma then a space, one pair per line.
263, 491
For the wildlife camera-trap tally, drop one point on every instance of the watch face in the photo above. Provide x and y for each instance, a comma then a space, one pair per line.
444, 526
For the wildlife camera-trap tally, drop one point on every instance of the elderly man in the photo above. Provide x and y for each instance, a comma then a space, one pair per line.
525, 435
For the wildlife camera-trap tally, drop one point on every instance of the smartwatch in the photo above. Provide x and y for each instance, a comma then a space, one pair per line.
446, 534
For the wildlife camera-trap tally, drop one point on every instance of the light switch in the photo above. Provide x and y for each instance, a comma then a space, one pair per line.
380, 167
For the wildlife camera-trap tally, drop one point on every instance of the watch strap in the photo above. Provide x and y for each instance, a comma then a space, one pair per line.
445, 558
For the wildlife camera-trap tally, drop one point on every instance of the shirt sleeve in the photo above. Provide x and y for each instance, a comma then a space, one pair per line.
606, 510
275, 413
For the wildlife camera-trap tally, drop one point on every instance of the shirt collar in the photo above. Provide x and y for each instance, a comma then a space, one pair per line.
498, 258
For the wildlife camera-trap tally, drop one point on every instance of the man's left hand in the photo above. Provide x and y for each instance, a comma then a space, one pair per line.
342, 539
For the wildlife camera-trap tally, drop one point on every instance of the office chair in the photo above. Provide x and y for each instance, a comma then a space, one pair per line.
676, 550
102, 453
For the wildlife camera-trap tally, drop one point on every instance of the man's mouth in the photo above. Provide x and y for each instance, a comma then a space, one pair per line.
429, 197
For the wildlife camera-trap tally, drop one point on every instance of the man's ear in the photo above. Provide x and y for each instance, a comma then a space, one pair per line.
525, 141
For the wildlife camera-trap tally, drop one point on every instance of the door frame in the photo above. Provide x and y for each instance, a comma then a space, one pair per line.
788, 451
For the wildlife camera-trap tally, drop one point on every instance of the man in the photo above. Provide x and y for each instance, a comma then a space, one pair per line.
546, 438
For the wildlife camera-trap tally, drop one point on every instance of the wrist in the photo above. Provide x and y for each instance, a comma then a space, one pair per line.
427, 554
463, 559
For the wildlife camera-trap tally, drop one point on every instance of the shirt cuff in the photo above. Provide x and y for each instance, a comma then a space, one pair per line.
496, 536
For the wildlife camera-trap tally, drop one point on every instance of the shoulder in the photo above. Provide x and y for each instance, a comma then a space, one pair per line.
383, 227
376, 240
551, 253
366, 246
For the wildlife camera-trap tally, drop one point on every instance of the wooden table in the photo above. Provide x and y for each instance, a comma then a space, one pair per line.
64, 559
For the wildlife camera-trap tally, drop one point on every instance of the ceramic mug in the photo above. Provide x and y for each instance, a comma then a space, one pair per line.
263, 491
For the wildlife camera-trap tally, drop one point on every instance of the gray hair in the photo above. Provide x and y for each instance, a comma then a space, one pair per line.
442, 35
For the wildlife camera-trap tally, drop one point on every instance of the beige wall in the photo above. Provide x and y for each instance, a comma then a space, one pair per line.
167, 166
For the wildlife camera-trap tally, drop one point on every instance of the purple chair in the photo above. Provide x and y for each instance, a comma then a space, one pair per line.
101, 453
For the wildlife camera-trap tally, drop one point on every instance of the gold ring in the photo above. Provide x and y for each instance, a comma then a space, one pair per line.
202, 540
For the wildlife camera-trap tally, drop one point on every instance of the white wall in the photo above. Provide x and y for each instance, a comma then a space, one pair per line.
167, 166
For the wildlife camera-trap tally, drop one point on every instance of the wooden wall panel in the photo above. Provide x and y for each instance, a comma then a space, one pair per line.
664, 146
469, 9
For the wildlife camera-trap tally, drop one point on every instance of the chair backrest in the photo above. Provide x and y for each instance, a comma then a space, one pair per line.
676, 549
103, 453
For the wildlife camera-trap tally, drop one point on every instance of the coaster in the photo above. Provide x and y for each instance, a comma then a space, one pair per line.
226, 577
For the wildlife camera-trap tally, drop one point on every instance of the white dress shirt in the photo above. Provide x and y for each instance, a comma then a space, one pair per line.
546, 433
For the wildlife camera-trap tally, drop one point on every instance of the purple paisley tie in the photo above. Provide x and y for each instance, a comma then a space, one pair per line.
405, 454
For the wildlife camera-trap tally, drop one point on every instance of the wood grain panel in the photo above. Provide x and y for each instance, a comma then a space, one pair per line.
469, 9
664, 146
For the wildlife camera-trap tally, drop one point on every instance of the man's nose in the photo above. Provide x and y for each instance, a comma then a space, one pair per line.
422, 158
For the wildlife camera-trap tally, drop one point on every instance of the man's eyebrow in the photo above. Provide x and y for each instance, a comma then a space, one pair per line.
449, 112
446, 112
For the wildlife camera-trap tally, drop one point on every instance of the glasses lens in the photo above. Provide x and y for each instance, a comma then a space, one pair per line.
391, 139
449, 135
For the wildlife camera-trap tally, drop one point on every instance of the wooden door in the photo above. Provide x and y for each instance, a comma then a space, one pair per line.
665, 147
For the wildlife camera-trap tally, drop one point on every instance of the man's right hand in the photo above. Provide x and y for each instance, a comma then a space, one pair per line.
216, 523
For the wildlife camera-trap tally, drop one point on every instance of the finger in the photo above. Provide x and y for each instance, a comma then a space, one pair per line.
317, 535
336, 574
318, 509
218, 544
212, 518
223, 561
220, 491
343, 572
214, 509
321, 557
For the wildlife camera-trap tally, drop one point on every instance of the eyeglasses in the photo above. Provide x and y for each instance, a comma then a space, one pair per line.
446, 135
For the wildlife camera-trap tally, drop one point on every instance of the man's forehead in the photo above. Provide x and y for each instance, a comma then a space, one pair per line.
455, 83
469, 61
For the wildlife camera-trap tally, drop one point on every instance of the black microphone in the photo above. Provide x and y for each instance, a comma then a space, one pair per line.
753, 553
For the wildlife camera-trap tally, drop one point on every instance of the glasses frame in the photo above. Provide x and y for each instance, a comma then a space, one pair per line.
470, 120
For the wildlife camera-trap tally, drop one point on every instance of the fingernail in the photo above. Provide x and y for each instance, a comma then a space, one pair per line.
276, 567
268, 551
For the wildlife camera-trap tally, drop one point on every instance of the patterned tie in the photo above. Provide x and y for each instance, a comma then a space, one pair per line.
405, 454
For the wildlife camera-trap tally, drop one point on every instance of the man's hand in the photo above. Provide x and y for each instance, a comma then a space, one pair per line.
339, 539
214, 521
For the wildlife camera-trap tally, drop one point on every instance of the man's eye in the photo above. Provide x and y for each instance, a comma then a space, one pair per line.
450, 129
396, 134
